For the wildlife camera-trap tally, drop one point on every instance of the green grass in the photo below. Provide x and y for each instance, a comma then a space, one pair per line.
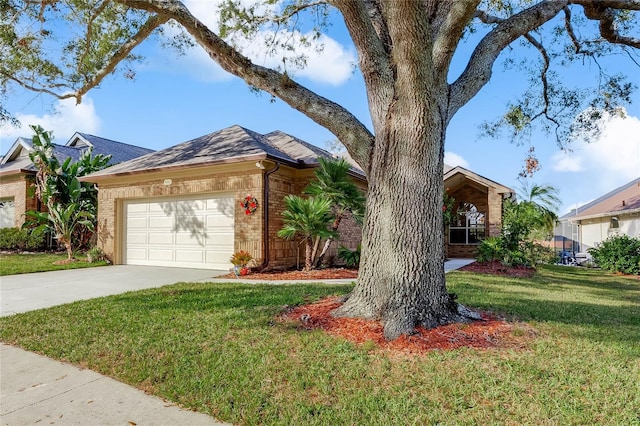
216, 348
11, 264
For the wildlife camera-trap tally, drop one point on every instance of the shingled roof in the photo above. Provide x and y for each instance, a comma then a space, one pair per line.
229, 145
17, 159
624, 199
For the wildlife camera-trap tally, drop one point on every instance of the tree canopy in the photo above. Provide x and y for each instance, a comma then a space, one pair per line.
405, 50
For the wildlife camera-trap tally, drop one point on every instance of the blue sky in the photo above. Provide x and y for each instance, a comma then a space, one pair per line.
174, 99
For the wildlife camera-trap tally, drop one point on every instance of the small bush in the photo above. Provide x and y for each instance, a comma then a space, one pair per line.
16, 239
619, 253
95, 254
490, 249
526, 253
350, 257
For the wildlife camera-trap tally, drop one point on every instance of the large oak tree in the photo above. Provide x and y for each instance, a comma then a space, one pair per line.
405, 49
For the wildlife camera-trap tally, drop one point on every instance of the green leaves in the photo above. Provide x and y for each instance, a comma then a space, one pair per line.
71, 204
306, 217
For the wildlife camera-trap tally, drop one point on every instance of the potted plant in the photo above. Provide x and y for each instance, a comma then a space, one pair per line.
240, 260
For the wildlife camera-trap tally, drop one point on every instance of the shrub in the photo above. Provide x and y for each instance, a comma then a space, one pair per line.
525, 253
95, 254
619, 253
490, 249
22, 239
350, 257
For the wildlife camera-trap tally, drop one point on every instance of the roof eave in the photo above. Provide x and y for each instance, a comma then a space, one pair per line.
606, 214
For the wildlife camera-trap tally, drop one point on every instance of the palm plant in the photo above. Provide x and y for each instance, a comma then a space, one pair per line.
543, 201
309, 219
71, 205
333, 183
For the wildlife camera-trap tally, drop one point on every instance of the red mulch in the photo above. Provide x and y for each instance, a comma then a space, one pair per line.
497, 268
491, 332
320, 274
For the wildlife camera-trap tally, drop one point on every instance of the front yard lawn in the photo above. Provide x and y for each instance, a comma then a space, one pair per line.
217, 349
25, 263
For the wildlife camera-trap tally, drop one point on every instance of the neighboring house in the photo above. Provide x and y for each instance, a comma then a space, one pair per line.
615, 213
17, 172
478, 201
182, 206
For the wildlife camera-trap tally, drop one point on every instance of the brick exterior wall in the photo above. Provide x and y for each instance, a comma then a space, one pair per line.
21, 189
240, 181
487, 201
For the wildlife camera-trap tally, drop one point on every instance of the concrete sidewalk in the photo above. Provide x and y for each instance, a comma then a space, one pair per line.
35, 389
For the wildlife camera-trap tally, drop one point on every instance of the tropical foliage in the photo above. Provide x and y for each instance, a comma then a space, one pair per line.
307, 219
332, 181
523, 223
71, 205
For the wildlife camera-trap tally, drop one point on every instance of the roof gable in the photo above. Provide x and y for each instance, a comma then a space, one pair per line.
17, 160
452, 172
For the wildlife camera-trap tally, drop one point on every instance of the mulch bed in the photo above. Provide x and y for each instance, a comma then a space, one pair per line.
490, 332
497, 268
320, 274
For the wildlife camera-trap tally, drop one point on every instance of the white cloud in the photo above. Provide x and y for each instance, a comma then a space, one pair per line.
563, 161
453, 159
327, 61
616, 151
66, 119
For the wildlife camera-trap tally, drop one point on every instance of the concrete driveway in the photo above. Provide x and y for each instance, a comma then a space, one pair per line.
27, 292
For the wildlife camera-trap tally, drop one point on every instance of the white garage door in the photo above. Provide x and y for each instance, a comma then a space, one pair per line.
181, 232
7, 213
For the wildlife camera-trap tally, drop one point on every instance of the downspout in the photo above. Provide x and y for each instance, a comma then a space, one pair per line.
265, 217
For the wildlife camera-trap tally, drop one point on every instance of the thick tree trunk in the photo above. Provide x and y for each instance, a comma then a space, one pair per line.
401, 280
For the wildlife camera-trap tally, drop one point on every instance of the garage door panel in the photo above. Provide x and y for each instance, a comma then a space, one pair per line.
181, 232
217, 257
136, 254
198, 240
161, 222
163, 255
192, 256
137, 222
138, 208
162, 239
138, 238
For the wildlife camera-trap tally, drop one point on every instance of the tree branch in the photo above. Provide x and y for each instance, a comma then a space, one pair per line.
605, 15
570, 31
450, 32
152, 23
351, 132
479, 69
92, 18
370, 36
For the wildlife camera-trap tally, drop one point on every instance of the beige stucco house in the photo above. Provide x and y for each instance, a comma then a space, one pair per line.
615, 213
17, 172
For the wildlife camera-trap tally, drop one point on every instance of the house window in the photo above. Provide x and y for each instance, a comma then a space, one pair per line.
469, 227
614, 223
